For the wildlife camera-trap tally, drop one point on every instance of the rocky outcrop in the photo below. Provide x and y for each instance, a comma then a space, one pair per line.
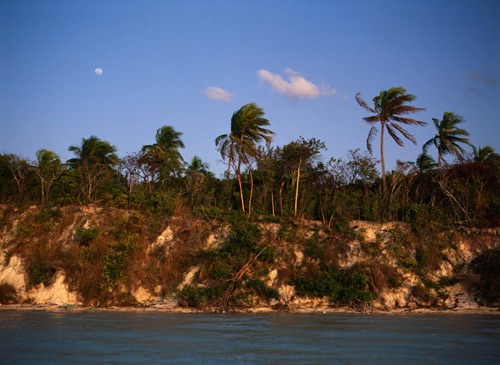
54, 294
13, 273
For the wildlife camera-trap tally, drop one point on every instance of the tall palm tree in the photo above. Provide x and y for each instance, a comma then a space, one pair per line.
389, 109
449, 137
240, 146
94, 158
164, 156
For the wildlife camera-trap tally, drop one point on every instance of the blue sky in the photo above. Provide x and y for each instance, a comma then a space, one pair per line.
191, 64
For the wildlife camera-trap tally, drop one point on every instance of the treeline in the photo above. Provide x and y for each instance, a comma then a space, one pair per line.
269, 182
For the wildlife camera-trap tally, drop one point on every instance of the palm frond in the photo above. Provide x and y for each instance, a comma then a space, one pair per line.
372, 119
408, 121
369, 140
363, 104
394, 136
403, 131
427, 144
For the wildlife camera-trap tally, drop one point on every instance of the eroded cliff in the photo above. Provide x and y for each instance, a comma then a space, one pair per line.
92, 256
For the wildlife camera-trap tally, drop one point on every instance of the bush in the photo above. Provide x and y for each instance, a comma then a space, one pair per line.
116, 262
485, 266
245, 235
8, 294
260, 288
48, 214
85, 236
347, 286
197, 297
40, 272
209, 213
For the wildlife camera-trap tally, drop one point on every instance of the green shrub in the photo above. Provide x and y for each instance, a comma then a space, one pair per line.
220, 270
209, 213
40, 271
260, 288
347, 286
49, 213
26, 230
116, 262
245, 234
287, 232
85, 236
267, 255
197, 297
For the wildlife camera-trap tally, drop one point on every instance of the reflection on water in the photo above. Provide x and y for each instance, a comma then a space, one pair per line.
160, 338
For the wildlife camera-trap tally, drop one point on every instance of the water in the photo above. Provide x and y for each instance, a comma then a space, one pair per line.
177, 338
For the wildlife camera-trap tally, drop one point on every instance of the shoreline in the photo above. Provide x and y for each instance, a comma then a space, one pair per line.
256, 310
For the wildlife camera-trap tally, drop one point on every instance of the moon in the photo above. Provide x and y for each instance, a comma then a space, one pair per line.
98, 71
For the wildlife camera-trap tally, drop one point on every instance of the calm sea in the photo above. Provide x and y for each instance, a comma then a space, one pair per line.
166, 338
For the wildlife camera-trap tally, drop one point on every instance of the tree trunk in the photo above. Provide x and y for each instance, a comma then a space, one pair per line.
382, 158
251, 194
297, 189
439, 159
238, 173
281, 197
272, 202
240, 184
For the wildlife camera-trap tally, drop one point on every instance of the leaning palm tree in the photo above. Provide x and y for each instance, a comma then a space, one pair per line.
240, 146
226, 145
449, 137
389, 109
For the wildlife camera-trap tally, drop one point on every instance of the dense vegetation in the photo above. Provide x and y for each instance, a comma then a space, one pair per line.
274, 182
263, 183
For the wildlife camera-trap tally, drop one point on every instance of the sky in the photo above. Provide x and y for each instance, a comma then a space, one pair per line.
191, 64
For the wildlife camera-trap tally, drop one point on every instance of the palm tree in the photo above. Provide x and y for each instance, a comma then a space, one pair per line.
94, 158
164, 156
225, 144
48, 170
95, 151
483, 154
449, 137
240, 146
389, 109
197, 166
196, 173
425, 162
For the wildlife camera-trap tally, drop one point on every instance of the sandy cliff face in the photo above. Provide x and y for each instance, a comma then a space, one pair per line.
12, 272
374, 244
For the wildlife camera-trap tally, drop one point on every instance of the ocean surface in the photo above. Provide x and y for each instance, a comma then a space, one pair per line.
178, 338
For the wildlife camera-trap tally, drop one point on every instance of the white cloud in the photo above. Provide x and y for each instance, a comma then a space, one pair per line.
296, 87
216, 93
